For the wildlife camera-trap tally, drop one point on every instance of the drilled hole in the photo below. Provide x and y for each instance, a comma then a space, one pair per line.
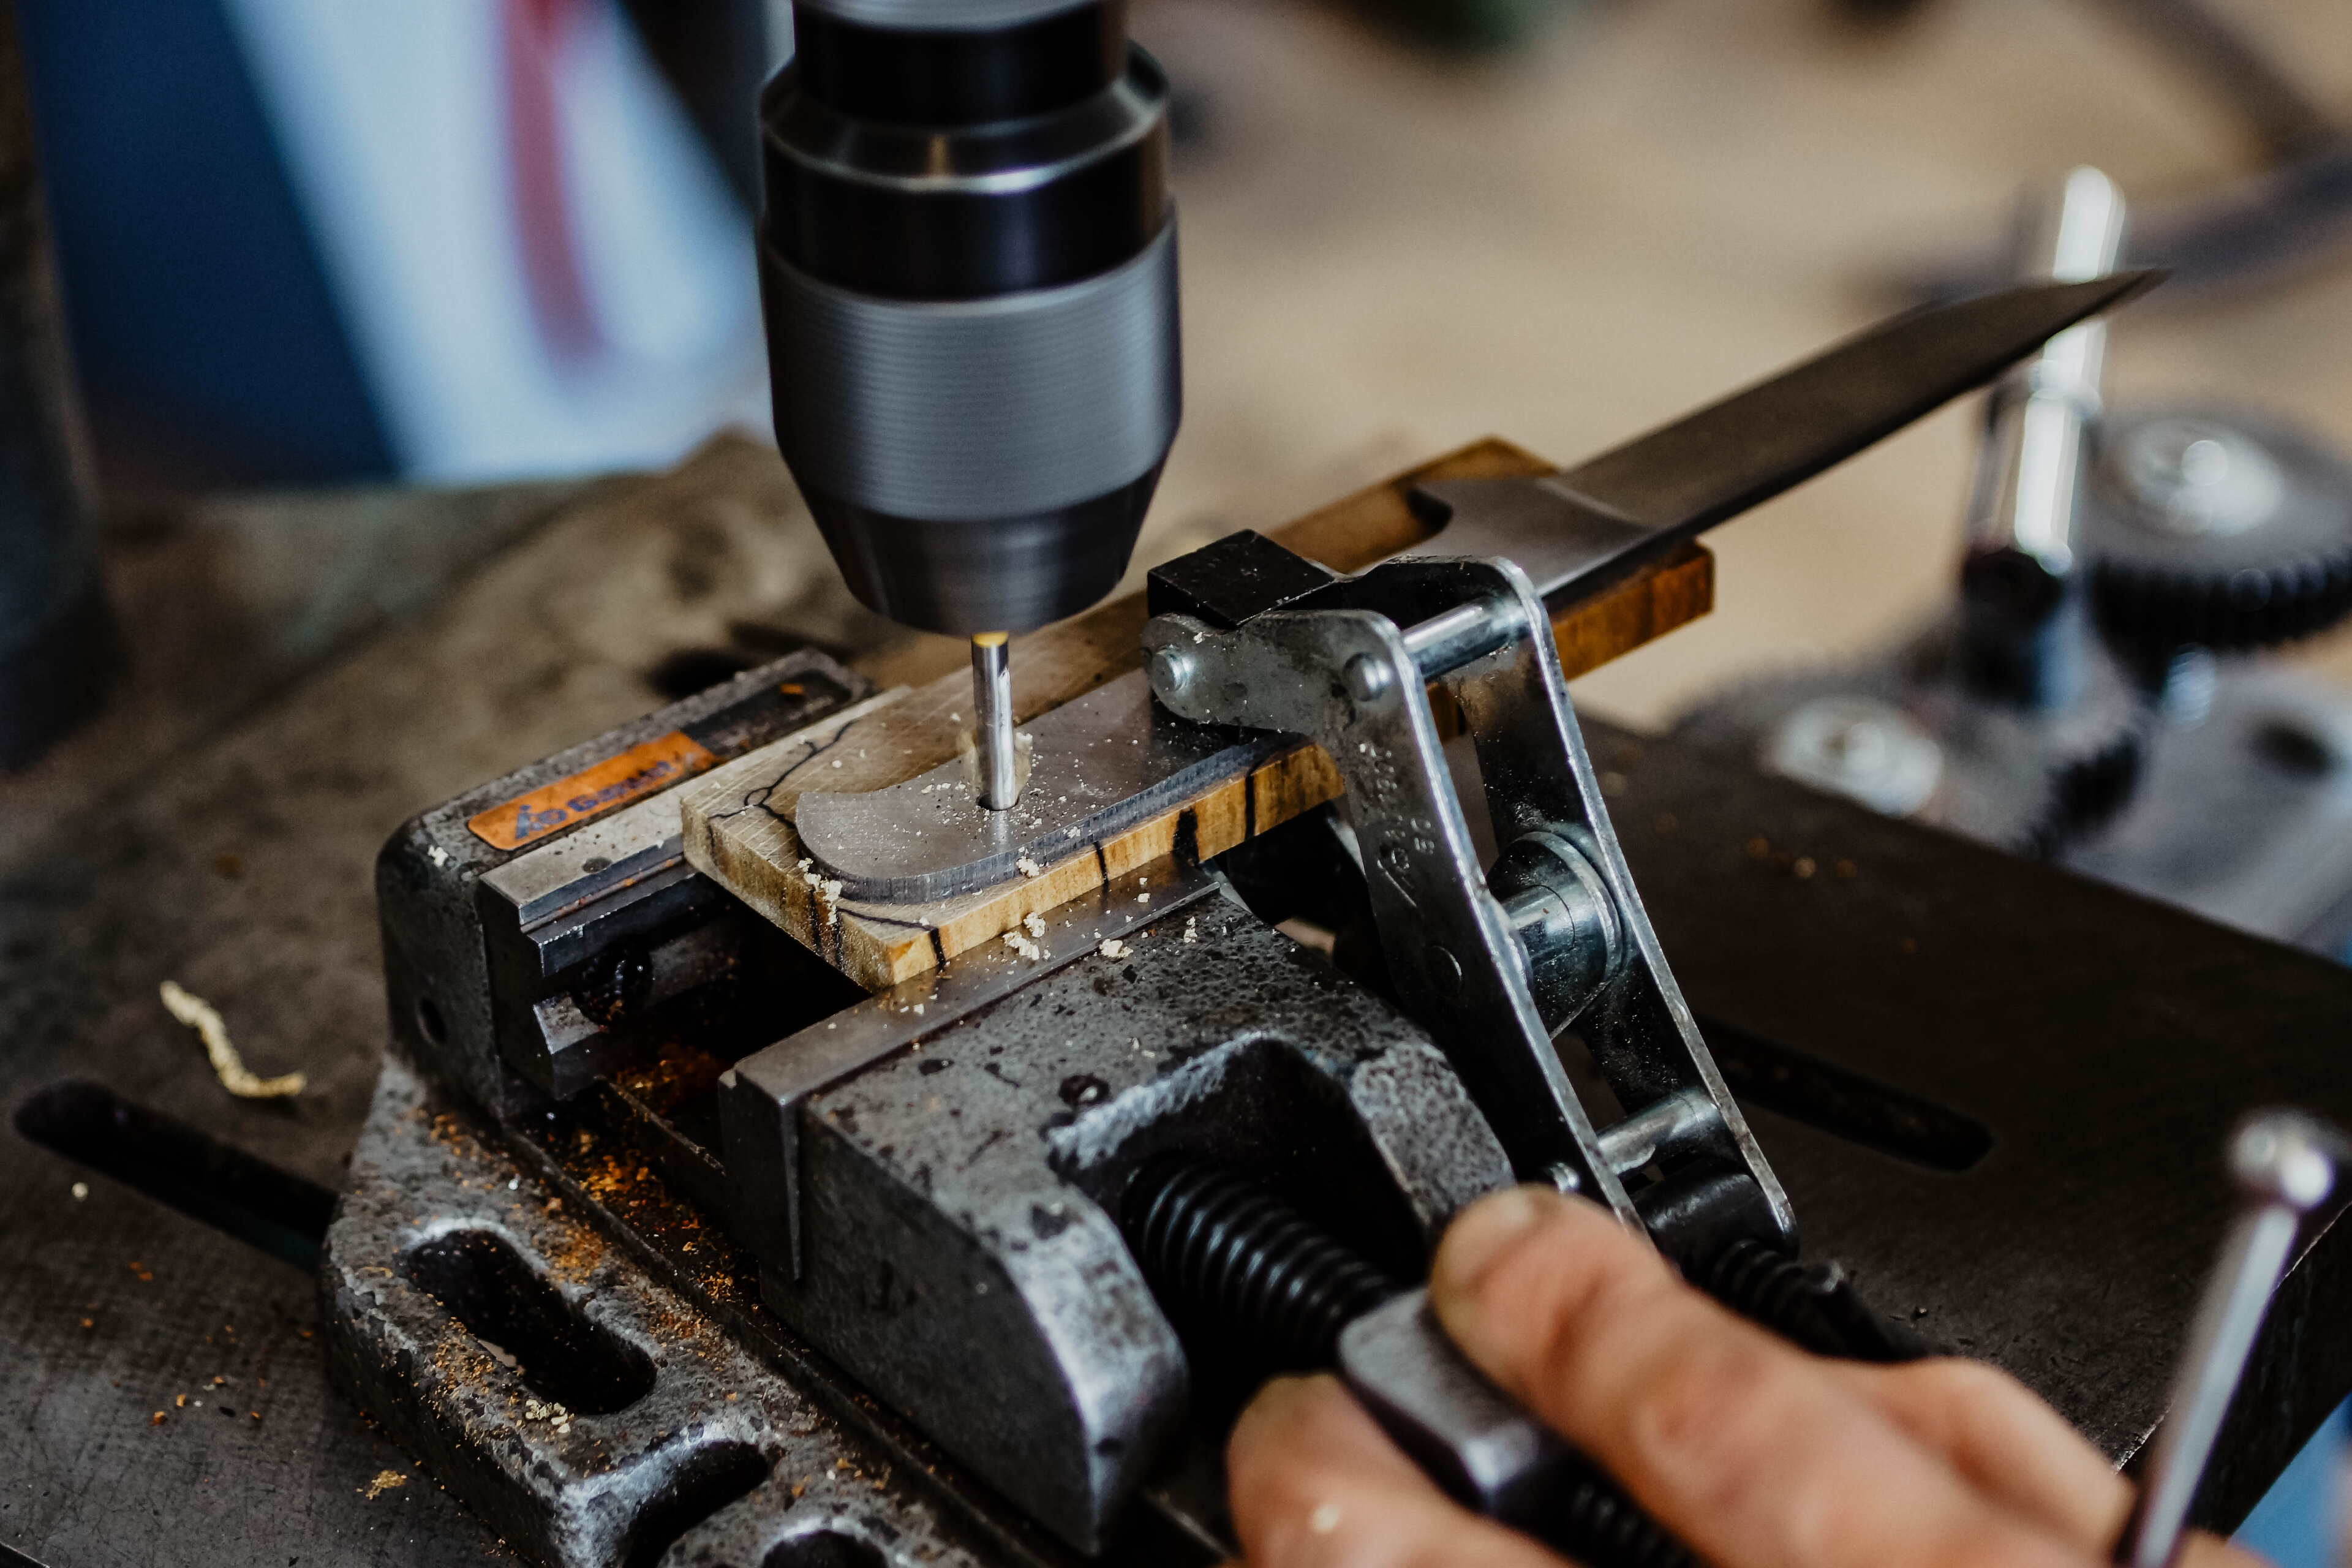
824, 1549
175, 1164
559, 1354
706, 1483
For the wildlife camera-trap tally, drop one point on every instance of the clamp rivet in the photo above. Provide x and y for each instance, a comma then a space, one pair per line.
1367, 678
1172, 671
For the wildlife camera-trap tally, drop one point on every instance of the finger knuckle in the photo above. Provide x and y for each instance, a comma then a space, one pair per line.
1956, 1379
1711, 1401
1577, 1305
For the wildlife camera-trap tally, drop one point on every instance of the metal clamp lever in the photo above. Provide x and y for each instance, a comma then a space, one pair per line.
2284, 1165
1491, 963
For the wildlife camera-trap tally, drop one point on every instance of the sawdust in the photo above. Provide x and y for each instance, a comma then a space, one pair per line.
386, 1480
826, 889
558, 1419
228, 1066
573, 1251
678, 1073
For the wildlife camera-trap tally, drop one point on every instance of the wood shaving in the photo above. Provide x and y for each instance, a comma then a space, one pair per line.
1028, 867
228, 1066
1193, 929
1023, 946
1033, 924
827, 891
1114, 948
384, 1481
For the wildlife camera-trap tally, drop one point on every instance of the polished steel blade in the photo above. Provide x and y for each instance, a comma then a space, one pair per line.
1776, 435
1575, 532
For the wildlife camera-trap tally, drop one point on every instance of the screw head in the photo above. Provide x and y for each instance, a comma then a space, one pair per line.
2286, 1158
1859, 747
1173, 670
2196, 478
1368, 679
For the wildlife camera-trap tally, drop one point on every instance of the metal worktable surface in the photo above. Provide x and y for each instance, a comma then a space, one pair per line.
2102, 1043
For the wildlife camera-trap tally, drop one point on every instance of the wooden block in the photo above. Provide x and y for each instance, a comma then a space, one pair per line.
738, 819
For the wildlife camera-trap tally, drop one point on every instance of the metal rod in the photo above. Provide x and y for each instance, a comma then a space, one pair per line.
991, 692
2025, 492
2022, 635
1675, 1123
1447, 641
2284, 1165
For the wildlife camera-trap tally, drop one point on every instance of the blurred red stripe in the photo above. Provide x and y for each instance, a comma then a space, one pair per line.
534, 35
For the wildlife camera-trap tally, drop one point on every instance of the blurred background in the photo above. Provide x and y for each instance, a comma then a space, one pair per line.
356, 294
478, 240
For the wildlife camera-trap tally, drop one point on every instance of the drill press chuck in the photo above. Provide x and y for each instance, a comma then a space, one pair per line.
967, 260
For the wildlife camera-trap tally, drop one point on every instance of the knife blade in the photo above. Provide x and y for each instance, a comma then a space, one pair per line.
1578, 530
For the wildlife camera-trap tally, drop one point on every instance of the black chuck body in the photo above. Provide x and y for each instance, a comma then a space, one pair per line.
968, 262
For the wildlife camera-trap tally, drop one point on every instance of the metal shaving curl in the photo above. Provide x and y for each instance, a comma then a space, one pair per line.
228, 1066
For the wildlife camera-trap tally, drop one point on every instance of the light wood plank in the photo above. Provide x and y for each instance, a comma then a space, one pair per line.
738, 818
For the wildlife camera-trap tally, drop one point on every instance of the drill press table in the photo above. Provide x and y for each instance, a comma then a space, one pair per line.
2100, 1043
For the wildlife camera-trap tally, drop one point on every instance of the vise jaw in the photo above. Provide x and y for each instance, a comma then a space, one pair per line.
929, 1179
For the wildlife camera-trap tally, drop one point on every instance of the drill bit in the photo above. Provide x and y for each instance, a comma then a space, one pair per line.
992, 691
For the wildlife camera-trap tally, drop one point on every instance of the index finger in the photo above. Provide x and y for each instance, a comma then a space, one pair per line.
1734, 1439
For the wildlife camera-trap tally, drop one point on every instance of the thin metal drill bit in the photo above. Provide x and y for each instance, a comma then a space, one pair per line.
992, 691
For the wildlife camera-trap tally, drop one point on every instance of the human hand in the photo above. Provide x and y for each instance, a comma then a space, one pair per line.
1754, 1453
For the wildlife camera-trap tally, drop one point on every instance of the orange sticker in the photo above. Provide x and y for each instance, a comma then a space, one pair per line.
615, 780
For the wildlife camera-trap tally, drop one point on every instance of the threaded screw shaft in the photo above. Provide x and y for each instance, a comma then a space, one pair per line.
1262, 1273
1812, 1307
1247, 1262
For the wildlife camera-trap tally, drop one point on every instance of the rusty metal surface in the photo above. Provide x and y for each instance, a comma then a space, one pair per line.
572, 1400
230, 848
2102, 1043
